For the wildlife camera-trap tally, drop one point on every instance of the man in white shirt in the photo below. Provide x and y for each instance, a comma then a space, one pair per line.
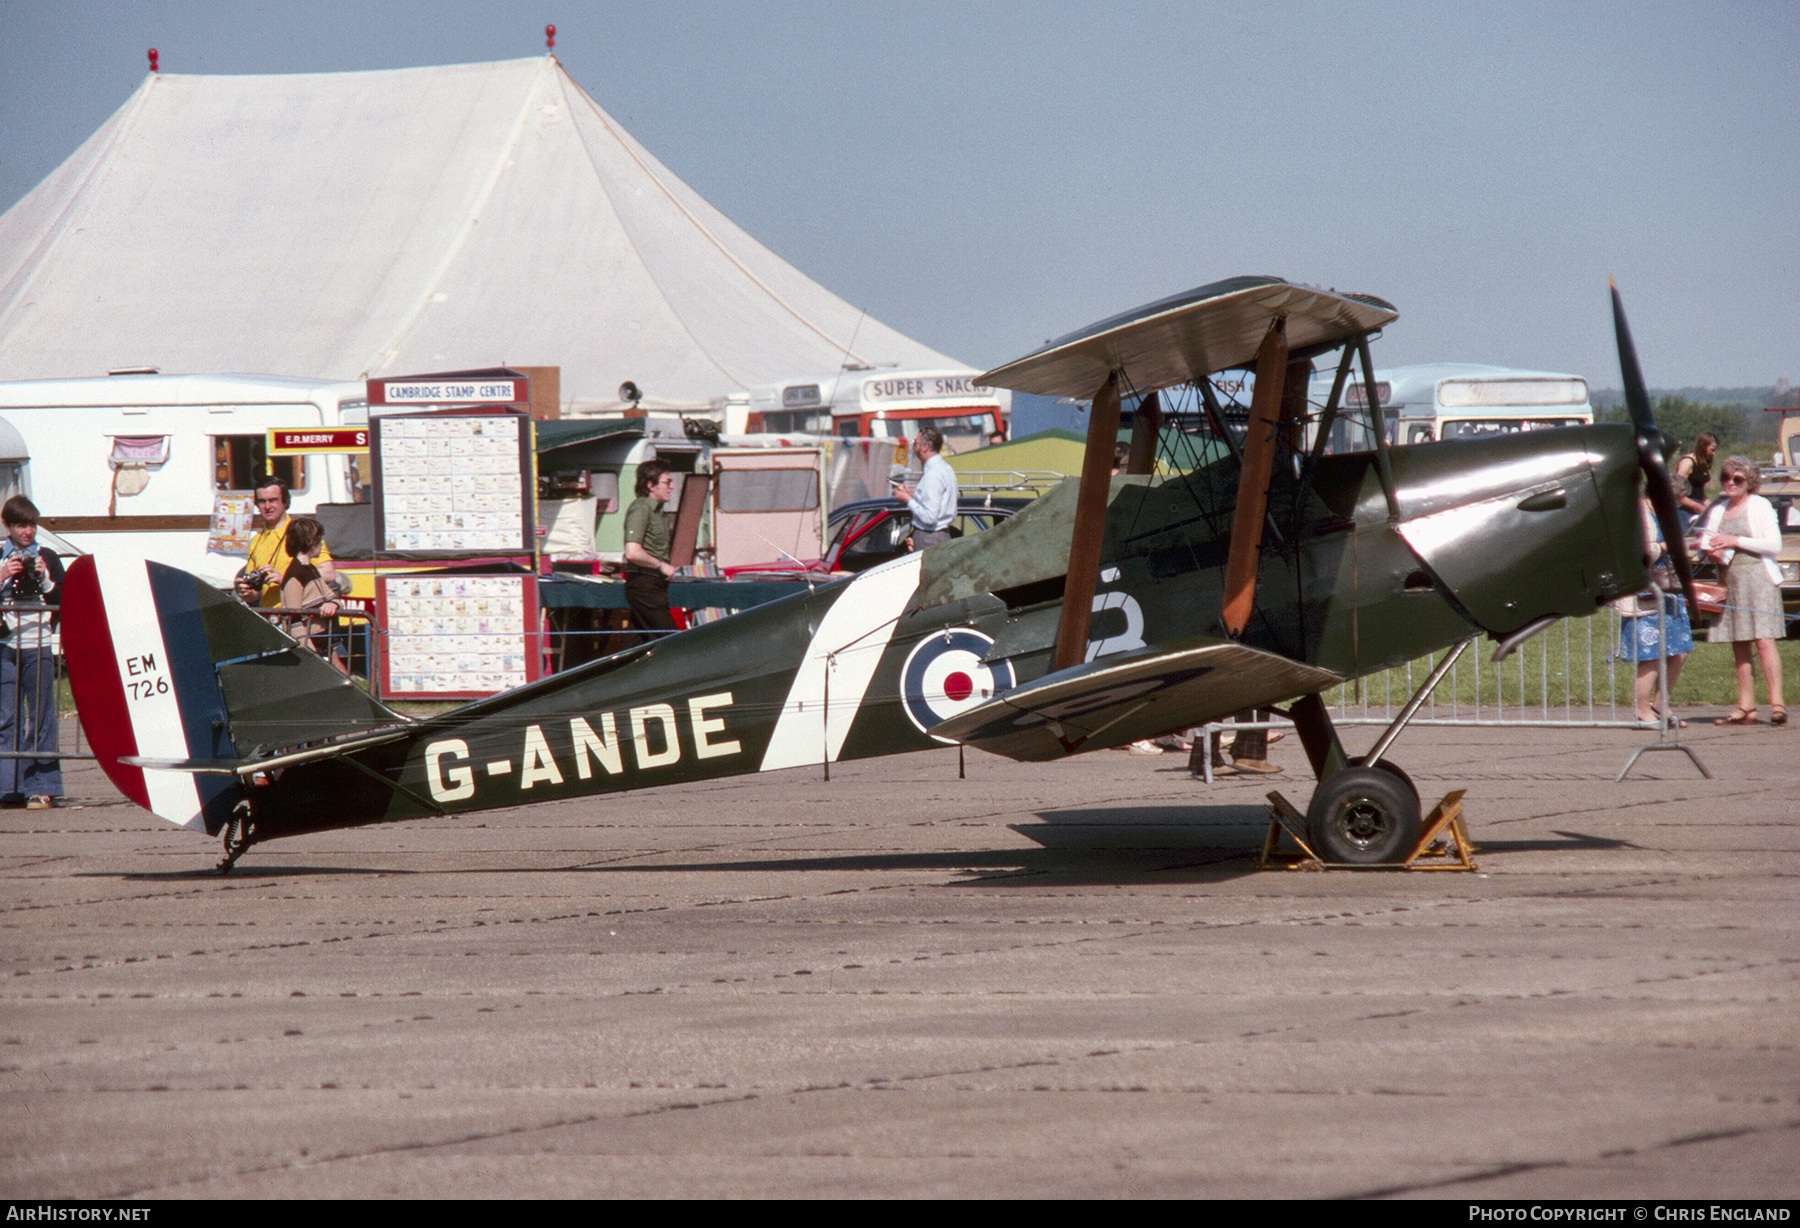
933, 500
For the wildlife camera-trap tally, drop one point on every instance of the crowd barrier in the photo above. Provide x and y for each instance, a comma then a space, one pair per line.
1569, 675
26, 690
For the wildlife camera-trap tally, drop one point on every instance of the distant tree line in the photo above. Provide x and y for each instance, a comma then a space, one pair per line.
1735, 415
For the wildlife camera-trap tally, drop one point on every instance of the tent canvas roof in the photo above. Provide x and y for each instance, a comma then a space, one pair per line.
347, 225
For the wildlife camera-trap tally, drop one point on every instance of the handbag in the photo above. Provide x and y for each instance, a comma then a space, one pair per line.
1709, 597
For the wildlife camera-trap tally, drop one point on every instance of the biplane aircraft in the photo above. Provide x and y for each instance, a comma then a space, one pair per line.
1289, 557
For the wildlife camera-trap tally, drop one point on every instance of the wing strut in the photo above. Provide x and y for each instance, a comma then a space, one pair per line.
1216, 417
1145, 429
1090, 521
1253, 478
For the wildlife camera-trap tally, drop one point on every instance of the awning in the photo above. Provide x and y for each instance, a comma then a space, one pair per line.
581, 443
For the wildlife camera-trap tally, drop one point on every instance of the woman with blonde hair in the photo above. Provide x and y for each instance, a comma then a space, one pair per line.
1742, 535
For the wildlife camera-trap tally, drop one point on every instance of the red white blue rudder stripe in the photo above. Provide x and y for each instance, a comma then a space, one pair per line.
144, 683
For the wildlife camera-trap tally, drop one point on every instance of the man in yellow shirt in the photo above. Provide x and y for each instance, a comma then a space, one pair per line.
259, 583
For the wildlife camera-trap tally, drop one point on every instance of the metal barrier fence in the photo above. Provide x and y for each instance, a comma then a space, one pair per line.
1570, 675
351, 639
33, 701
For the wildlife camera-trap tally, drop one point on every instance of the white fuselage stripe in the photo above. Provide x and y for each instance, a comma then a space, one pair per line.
131, 617
841, 660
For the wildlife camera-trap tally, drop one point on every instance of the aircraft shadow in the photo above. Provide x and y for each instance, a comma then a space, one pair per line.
1155, 844
1569, 842
243, 870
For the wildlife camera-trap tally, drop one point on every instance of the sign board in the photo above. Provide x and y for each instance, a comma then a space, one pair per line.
498, 386
457, 636
305, 440
923, 388
801, 396
453, 483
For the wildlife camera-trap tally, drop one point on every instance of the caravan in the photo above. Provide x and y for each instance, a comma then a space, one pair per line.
135, 462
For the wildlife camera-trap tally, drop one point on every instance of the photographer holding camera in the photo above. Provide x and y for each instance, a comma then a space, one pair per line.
259, 583
29, 576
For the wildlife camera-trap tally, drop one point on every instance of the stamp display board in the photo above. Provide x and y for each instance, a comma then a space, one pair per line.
453, 483
457, 636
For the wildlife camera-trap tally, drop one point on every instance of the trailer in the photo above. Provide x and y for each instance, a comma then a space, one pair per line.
141, 464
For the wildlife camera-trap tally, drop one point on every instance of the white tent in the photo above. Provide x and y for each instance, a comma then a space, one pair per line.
347, 225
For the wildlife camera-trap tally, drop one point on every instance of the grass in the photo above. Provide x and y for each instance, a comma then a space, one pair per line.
1553, 676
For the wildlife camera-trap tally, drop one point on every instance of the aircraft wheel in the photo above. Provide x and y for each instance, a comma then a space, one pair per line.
1363, 816
1389, 766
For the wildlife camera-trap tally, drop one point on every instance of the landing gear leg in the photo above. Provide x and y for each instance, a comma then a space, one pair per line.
1365, 810
239, 835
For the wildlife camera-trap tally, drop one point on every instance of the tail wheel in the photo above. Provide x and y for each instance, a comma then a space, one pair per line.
1363, 816
239, 835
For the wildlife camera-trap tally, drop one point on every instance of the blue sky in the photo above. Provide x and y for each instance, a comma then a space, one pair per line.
985, 176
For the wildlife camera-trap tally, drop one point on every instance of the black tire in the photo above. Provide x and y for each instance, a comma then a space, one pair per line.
1363, 816
1389, 766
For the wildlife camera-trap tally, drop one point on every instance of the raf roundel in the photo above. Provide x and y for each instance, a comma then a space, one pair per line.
945, 676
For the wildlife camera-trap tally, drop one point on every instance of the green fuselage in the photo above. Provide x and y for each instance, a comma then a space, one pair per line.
1491, 536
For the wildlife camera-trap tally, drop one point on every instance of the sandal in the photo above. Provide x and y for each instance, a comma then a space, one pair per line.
1675, 722
1777, 714
1739, 716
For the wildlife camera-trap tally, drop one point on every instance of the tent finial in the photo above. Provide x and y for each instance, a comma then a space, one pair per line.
152, 59
550, 37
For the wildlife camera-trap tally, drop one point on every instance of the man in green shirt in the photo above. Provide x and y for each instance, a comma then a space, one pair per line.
647, 566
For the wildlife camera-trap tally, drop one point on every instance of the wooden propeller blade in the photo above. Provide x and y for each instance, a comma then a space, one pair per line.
1637, 399
1657, 486
1253, 479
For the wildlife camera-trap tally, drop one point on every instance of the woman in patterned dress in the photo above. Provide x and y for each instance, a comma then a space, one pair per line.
1639, 637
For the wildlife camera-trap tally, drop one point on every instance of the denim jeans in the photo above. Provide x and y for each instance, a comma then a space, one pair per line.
28, 721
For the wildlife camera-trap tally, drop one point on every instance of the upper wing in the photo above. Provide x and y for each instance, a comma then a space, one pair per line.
1188, 336
1120, 699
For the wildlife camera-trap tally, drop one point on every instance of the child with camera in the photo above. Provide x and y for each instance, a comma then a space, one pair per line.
30, 576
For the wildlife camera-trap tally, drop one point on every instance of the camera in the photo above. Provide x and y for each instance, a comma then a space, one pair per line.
24, 587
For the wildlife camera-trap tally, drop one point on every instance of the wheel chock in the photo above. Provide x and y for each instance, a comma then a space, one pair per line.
1443, 843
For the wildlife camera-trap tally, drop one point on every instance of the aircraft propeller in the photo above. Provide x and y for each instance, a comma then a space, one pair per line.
1649, 447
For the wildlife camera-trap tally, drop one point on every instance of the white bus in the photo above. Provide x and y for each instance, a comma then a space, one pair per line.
1460, 400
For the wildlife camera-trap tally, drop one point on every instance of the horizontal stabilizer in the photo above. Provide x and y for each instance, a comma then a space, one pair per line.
268, 763
1123, 698
193, 767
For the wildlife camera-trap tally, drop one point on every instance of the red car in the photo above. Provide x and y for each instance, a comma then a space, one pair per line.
870, 532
